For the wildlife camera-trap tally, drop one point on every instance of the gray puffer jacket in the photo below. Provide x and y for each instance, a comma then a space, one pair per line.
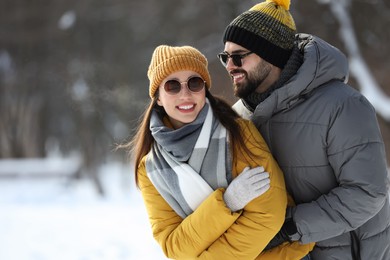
326, 138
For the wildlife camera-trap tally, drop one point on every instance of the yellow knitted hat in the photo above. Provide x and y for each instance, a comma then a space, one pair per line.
267, 29
168, 59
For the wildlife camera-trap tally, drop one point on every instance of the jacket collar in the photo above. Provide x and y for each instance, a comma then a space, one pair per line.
322, 63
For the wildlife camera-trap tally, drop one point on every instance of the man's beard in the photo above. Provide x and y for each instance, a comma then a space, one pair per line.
253, 79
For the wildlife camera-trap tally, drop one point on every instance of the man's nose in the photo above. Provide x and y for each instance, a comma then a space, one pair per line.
230, 65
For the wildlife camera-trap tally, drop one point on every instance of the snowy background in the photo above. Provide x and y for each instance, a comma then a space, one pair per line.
59, 218
73, 77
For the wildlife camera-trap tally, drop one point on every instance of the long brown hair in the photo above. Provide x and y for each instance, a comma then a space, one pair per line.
142, 142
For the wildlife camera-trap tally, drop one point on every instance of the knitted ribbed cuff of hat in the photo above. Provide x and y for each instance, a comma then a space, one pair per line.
259, 45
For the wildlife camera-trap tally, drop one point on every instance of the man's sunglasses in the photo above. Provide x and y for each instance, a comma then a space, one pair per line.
194, 84
236, 58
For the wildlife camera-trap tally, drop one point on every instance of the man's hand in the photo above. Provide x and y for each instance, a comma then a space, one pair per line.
288, 232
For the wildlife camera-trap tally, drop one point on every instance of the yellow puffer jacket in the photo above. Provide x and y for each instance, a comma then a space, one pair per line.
212, 231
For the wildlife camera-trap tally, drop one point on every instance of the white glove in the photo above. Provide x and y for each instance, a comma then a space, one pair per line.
250, 184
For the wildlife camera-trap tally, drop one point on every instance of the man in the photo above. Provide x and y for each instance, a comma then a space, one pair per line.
323, 133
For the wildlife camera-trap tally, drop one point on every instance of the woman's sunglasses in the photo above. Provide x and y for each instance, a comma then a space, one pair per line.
236, 58
194, 84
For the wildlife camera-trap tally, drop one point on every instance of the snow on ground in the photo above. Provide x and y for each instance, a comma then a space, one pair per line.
45, 219
61, 219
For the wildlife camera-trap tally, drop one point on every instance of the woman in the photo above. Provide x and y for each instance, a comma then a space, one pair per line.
198, 168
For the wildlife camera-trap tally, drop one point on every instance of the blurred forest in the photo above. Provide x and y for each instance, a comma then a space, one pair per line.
73, 73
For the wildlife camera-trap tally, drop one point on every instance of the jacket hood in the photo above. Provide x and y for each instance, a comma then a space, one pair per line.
322, 63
